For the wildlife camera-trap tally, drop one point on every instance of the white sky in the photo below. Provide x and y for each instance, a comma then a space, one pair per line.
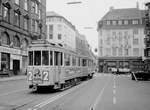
88, 13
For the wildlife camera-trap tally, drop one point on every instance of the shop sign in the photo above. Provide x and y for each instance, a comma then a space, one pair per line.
13, 51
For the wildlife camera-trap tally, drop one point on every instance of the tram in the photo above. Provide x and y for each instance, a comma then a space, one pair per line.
54, 66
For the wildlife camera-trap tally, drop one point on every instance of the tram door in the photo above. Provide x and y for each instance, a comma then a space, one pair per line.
58, 59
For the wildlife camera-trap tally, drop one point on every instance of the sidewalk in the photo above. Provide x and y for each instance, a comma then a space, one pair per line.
13, 78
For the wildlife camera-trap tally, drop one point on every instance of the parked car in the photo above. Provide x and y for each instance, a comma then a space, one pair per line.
140, 75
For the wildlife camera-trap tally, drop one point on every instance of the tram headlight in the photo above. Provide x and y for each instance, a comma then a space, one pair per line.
45, 75
30, 76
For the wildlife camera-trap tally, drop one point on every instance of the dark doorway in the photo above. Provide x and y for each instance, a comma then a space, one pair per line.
16, 66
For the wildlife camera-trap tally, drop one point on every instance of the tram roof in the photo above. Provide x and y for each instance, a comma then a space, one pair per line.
45, 43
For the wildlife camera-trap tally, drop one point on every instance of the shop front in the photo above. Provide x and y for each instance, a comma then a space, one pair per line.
106, 63
12, 61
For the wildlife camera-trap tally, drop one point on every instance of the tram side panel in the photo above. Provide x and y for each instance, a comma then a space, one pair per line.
41, 76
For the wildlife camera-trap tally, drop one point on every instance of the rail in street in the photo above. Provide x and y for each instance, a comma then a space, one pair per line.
103, 92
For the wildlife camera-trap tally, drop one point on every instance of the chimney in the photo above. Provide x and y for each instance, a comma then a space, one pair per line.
111, 8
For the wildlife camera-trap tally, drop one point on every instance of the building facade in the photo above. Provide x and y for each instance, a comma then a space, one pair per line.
82, 46
60, 30
147, 36
20, 22
121, 39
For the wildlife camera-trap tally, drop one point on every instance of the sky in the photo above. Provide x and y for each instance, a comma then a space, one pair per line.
88, 13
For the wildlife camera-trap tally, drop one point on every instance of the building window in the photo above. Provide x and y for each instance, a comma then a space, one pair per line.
114, 51
108, 22
126, 22
120, 51
134, 21
108, 51
135, 41
5, 38
126, 33
59, 36
39, 14
16, 41
50, 36
114, 22
16, 19
5, 61
50, 29
108, 41
25, 23
59, 27
136, 51
26, 4
17, 2
25, 43
120, 22
114, 33
135, 31
36, 26
33, 25
33, 6
36, 8
6, 14
126, 52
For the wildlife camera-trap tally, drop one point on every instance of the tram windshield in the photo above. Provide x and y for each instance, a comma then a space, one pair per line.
45, 57
37, 57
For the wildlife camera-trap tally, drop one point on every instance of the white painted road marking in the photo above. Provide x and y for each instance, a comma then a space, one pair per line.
99, 97
114, 91
114, 100
52, 99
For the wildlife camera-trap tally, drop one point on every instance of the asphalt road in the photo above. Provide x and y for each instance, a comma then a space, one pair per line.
103, 92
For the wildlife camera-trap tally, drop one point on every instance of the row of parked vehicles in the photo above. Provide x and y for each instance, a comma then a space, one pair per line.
135, 75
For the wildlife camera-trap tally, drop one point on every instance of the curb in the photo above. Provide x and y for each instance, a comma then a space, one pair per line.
12, 79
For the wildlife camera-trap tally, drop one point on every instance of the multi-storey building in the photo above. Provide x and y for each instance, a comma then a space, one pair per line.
121, 39
60, 30
20, 22
147, 37
82, 46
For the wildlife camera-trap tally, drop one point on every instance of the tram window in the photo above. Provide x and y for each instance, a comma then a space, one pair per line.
58, 60
78, 61
67, 59
45, 57
51, 57
73, 61
37, 57
61, 58
84, 62
30, 58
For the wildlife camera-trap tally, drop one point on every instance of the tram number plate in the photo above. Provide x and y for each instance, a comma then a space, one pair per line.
37, 80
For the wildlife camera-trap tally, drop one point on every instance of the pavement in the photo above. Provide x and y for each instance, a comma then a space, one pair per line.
12, 78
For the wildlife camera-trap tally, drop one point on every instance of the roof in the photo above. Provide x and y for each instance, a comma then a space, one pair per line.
126, 13
52, 13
